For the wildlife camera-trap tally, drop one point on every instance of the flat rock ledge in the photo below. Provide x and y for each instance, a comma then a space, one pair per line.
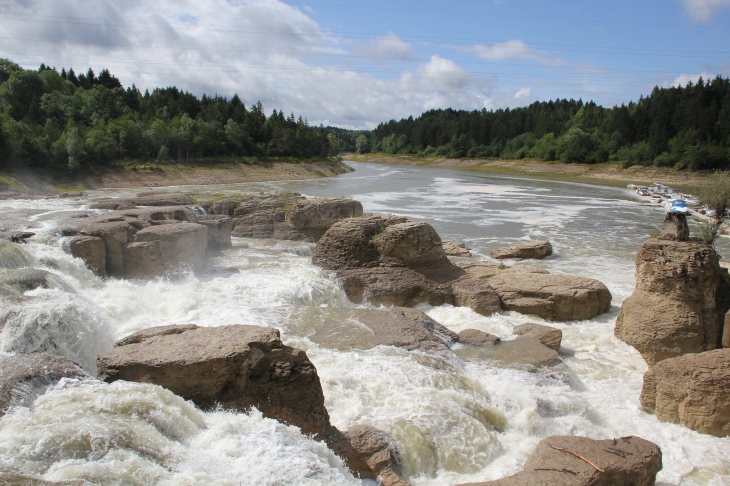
386, 260
628, 461
527, 249
22, 376
239, 367
692, 390
679, 303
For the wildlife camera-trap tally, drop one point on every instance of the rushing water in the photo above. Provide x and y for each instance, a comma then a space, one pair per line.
456, 419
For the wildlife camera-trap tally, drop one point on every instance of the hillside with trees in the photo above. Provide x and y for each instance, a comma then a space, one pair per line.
682, 127
64, 121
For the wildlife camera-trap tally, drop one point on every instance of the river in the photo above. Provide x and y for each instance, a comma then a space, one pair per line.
455, 419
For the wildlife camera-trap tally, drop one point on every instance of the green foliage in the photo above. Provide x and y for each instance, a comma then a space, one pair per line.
68, 122
715, 194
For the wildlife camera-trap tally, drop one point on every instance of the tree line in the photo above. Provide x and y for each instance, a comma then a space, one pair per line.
61, 120
683, 127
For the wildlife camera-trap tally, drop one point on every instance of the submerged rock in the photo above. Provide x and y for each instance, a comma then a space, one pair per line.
526, 249
452, 248
474, 337
386, 260
548, 336
676, 307
26, 279
13, 255
580, 461
24, 376
554, 297
691, 390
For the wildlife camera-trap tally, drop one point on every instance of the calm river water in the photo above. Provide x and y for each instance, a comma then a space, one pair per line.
455, 419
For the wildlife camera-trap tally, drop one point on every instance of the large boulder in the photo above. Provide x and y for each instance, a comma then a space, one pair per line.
24, 279
13, 255
290, 216
534, 249
548, 336
398, 326
165, 248
475, 337
692, 390
22, 376
91, 250
452, 248
386, 260
219, 231
554, 297
239, 367
674, 308
580, 461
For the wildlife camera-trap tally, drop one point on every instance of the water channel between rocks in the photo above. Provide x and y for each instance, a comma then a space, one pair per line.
457, 418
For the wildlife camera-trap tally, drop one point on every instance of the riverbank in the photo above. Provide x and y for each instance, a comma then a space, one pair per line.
609, 174
171, 175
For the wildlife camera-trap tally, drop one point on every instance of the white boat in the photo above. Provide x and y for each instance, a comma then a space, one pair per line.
678, 206
692, 201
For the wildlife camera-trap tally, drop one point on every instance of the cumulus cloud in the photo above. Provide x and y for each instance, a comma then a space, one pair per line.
513, 49
683, 79
389, 47
523, 94
703, 10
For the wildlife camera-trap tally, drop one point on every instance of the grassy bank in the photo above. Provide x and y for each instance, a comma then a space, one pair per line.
610, 174
134, 173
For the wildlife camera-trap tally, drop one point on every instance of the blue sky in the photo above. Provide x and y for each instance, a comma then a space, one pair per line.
357, 63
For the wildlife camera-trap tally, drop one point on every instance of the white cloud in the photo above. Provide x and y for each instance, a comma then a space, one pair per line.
504, 50
389, 47
523, 94
703, 10
683, 79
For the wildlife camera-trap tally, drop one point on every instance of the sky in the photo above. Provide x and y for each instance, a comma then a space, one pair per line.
355, 64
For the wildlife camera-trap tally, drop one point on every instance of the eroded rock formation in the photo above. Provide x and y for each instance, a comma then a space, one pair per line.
676, 307
580, 461
535, 249
692, 390
385, 260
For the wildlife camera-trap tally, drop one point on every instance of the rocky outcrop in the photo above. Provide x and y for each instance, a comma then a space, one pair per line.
401, 327
385, 260
674, 308
287, 216
548, 336
580, 461
692, 390
555, 297
675, 227
143, 199
239, 367
453, 248
482, 270
147, 242
474, 337
23, 376
219, 231
91, 250
526, 249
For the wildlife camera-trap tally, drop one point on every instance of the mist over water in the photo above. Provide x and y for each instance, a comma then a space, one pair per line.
456, 418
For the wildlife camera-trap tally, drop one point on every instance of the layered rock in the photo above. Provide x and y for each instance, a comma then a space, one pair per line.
674, 308
525, 249
548, 336
692, 390
453, 248
395, 262
219, 231
239, 367
675, 227
143, 199
580, 461
23, 376
555, 297
145, 242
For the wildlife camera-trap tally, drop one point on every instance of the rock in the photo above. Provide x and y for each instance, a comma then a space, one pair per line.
143, 199
674, 308
398, 326
474, 337
90, 249
480, 270
553, 297
13, 256
161, 249
692, 390
236, 367
675, 227
628, 461
453, 248
548, 336
385, 260
224, 207
290, 216
379, 453
219, 231
524, 352
23, 376
25, 279
526, 249
726, 331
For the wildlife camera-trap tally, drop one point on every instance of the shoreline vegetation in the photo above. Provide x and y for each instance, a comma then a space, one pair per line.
608, 173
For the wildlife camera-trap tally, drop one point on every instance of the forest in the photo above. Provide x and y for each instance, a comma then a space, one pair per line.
683, 127
67, 122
